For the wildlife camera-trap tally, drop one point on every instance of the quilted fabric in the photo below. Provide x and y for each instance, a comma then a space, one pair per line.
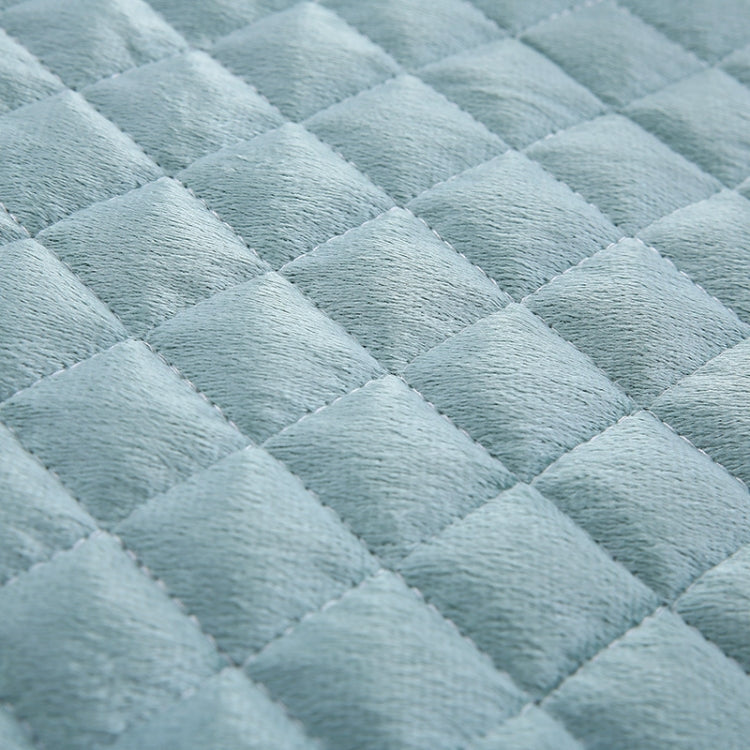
374, 375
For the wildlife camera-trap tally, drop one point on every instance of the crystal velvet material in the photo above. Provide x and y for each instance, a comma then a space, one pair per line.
374, 375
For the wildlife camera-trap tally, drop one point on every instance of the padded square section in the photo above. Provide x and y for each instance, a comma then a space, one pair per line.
518, 389
204, 21
710, 241
119, 428
516, 92
516, 16
152, 252
660, 686
708, 27
264, 354
65, 156
397, 287
392, 467
91, 621
381, 666
633, 177
376, 131
227, 711
515, 221
84, 40
48, 319
182, 108
718, 604
529, 587
285, 192
644, 323
304, 59
738, 65
659, 506
233, 568
417, 32
712, 409
37, 516
22, 77
611, 51
706, 118
532, 729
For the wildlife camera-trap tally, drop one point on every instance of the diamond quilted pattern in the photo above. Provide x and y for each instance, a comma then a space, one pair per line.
627, 173
65, 157
489, 379
305, 59
285, 192
537, 627
101, 37
375, 643
329, 420
351, 276
516, 92
264, 354
435, 472
95, 456
375, 131
650, 348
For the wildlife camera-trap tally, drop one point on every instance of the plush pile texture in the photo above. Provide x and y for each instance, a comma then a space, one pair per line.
374, 375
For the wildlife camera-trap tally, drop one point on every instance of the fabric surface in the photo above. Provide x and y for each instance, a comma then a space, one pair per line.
374, 375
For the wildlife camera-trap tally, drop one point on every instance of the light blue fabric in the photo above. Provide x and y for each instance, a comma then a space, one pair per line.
374, 375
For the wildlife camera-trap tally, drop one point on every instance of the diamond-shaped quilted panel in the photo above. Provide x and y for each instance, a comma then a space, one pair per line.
264, 354
381, 666
305, 59
710, 241
23, 79
712, 409
519, 389
393, 468
516, 92
37, 516
611, 51
285, 192
202, 21
232, 567
375, 130
628, 173
119, 428
48, 319
662, 508
706, 118
182, 108
532, 729
515, 221
395, 286
660, 686
84, 40
718, 604
65, 156
399, 27
712, 28
509, 576
227, 711
152, 252
92, 622
645, 324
